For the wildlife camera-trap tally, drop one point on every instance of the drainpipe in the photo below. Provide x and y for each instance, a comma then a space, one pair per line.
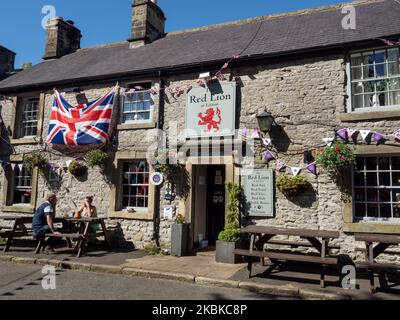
157, 196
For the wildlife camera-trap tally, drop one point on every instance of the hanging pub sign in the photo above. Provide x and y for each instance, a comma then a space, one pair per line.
258, 185
211, 110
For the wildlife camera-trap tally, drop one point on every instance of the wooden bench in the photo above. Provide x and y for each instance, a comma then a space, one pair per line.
279, 256
261, 237
295, 245
375, 245
67, 236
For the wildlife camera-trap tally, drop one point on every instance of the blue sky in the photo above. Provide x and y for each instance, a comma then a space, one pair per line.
109, 21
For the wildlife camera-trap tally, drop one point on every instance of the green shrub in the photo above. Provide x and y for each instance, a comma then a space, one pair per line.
96, 158
336, 157
153, 250
291, 185
180, 219
230, 235
77, 169
232, 232
35, 159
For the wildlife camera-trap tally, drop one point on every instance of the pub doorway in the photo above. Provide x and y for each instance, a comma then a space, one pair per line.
209, 203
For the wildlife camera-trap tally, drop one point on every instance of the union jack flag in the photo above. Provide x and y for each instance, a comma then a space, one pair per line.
83, 124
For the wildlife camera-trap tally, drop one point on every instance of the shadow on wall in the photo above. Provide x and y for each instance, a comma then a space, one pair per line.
305, 199
117, 237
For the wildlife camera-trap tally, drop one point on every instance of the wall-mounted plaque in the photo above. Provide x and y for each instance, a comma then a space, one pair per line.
258, 185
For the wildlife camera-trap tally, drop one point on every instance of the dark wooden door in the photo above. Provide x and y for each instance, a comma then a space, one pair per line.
215, 202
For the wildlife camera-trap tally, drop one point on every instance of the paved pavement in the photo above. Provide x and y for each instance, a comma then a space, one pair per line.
24, 282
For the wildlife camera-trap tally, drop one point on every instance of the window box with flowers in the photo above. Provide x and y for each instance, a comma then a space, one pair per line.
179, 237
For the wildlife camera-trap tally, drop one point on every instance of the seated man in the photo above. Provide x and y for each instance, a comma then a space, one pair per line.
43, 222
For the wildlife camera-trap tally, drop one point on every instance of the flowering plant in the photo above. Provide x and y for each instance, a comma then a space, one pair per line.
179, 219
336, 157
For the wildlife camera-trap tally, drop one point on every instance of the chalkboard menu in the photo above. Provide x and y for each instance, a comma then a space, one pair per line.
258, 185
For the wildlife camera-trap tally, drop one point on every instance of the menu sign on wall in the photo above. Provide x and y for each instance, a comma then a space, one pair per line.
211, 110
258, 187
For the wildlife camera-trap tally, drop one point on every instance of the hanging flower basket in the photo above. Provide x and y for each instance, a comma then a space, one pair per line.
292, 186
35, 160
336, 157
96, 158
77, 169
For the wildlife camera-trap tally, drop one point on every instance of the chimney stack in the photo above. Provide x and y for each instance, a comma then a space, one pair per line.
62, 38
148, 22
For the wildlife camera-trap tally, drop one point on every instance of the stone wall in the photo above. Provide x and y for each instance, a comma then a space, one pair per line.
306, 97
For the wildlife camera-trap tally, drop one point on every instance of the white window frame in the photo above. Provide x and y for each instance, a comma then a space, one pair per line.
21, 124
151, 110
349, 102
375, 219
136, 209
15, 174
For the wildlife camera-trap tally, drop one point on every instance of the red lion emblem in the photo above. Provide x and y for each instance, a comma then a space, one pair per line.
207, 119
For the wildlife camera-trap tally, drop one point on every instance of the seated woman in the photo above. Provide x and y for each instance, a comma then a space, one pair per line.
88, 210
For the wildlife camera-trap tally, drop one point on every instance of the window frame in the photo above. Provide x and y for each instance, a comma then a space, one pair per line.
14, 176
358, 218
137, 122
350, 94
16, 138
21, 123
115, 210
8, 190
122, 186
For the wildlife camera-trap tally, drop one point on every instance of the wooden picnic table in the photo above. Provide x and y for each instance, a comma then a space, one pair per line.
22, 227
261, 237
376, 245
84, 229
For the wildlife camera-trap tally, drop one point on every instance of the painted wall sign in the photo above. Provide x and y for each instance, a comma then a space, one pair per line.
211, 110
258, 185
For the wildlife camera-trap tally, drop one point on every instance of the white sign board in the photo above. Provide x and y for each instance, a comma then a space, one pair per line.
258, 185
211, 110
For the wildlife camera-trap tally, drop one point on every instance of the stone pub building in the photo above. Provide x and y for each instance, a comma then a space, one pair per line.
313, 75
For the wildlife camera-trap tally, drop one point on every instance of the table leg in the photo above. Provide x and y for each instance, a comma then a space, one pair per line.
252, 240
106, 237
82, 242
10, 237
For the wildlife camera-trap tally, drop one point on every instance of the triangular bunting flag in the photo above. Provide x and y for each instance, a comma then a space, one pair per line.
244, 132
396, 135
20, 166
312, 167
328, 141
342, 133
351, 132
266, 142
256, 134
378, 137
268, 156
365, 134
280, 165
13, 165
295, 171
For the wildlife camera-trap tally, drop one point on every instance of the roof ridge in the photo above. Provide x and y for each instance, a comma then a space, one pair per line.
106, 45
275, 16
245, 21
